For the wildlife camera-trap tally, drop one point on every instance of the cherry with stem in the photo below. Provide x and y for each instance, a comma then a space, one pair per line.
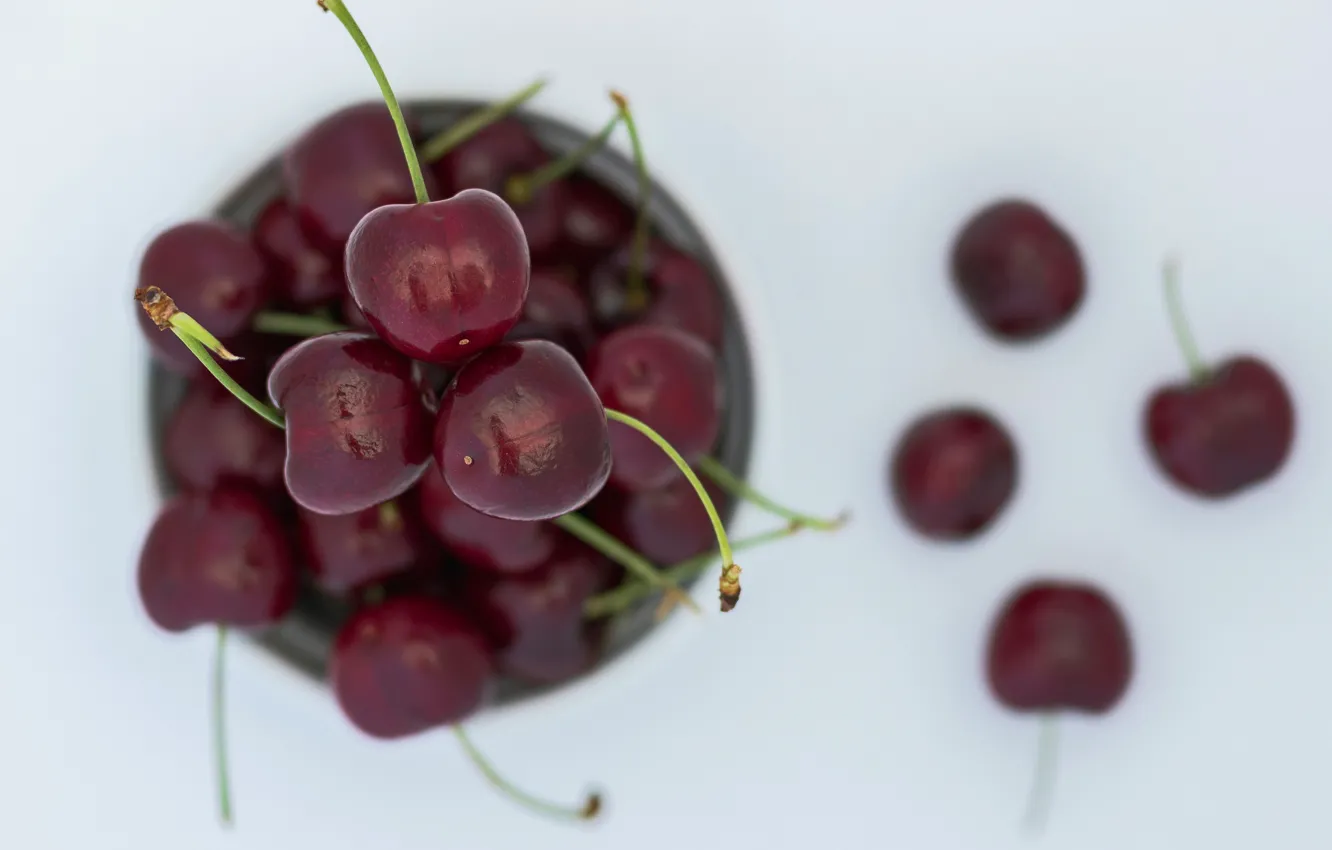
736, 486
636, 294
439, 145
640, 567
520, 188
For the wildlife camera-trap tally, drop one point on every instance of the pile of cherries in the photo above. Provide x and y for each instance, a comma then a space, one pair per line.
1062, 645
477, 369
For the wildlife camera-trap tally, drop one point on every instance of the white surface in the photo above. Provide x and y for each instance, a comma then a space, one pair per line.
831, 147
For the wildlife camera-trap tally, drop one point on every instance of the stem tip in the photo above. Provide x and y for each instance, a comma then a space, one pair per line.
592, 807
158, 305
620, 101
729, 585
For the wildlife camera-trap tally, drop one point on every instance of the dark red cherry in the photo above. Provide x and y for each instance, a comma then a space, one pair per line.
535, 620
217, 557
1059, 646
595, 221
1224, 433
665, 525
342, 168
213, 273
346, 551
302, 275
521, 433
440, 281
213, 439
409, 664
484, 543
952, 472
358, 422
669, 380
1018, 272
502, 150
556, 310
682, 294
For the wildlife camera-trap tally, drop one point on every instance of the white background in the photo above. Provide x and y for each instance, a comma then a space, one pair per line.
830, 148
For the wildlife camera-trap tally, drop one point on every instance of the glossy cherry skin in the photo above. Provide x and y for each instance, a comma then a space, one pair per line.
440, 281
302, 275
666, 525
486, 161
409, 664
682, 293
521, 433
213, 439
217, 557
557, 310
669, 380
213, 273
1017, 271
594, 221
952, 473
348, 164
1059, 646
350, 550
358, 422
535, 620
1223, 434
483, 543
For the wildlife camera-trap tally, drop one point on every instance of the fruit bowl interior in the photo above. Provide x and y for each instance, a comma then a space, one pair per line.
304, 638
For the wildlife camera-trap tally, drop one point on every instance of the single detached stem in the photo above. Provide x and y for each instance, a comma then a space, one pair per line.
629, 593
1042, 785
640, 567
220, 729
733, 484
520, 188
729, 583
589, 810
295, 324
636, 287
272, 414
437, 146
1179, 323
340, 11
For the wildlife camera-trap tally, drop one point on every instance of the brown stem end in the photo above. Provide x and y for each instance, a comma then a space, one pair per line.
729, 585
158, 305
322, 5
592, 807
618, 98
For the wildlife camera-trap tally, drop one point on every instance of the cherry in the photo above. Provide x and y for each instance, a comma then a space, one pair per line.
594, 221
1225, 429
953, 472
521, 433
666, 525
682, 294
535, 620
215, 274
439, 281
556, 310
302, 275
213, 439
1058, 646
488, 159
343, 167
217, 557
350, 550
358, 422
409, 664
1018, 272
669, 380
482, 542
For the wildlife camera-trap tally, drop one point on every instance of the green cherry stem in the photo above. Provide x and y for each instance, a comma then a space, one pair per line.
729, 583
437, 146
638, 566
619, 599
737, 487
220, 729
340, 11
295, 324
636, 288
589, 809
1042, 785
520, 188
1179, 323
272, 414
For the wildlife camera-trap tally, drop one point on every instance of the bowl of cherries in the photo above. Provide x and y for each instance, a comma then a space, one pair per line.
450, 404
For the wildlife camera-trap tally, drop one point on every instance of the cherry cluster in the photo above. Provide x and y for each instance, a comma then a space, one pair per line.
1060, 645
489, 411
